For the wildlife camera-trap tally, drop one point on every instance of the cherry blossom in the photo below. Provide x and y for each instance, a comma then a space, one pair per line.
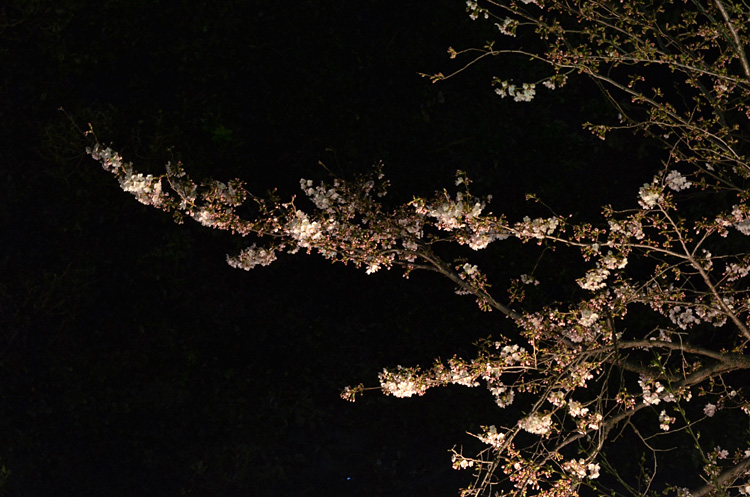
658, 310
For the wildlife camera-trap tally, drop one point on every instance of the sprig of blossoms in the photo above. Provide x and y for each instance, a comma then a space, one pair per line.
580, 469
402, 382
453, 214
665, 420
492, 437
524, 93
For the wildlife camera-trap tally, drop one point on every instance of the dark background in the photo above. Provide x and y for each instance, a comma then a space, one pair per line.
133, 360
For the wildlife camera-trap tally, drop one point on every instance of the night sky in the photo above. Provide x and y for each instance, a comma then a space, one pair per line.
134, 360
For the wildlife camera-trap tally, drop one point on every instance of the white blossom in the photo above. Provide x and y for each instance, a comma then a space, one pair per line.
683, 317
453, 214
537, 228
677, 181
524, 93
305, 232
651, 393
109, 159
737, 271
611, 261
576, 409
740, 219
205, 217
323, 198
460, 462
469, 270
595, 279
401, 383
482, 236
588, 318
513, 354
538, 424
743, 227
665, 420
581, 470
508, 27
492, 437
251, 257
504, 396
557, 398
649, 195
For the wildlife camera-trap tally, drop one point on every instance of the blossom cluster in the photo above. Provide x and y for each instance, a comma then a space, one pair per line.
581, 469
401, 382
252, 256
145, 188
524, 93
537, 423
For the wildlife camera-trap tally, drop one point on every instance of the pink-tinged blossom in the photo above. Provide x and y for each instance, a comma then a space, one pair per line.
743, 226
709, 410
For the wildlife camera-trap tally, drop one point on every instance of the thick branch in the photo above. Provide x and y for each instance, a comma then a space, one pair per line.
737, 43
726, 478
